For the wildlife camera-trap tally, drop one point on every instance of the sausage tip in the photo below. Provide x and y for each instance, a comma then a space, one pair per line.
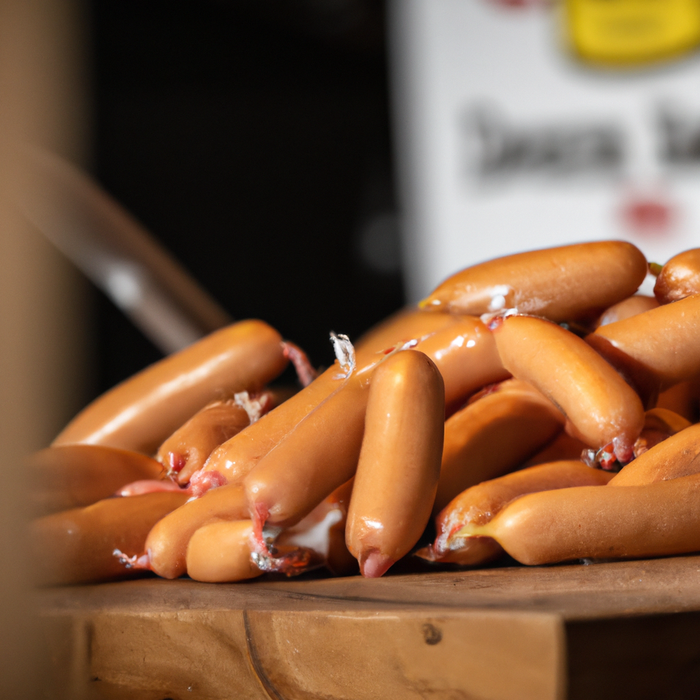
374, 564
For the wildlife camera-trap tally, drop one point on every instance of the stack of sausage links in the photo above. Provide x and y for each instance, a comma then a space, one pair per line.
532, 404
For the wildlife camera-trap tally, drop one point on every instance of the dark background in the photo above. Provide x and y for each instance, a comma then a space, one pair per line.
252, 137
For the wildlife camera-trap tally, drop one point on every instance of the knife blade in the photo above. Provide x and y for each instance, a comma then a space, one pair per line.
117, 253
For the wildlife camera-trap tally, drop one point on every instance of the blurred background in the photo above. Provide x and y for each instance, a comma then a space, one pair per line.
253, 139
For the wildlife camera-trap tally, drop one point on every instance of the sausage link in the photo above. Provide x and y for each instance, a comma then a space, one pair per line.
636, 304
316, 457
186, 450
566, 283
322, 450
679, 277
236, 457
166, 544
77, 546
399, 461
493, 435
656, 349
590, 522
408, 324
659, 424
74, 476
676, 456
141, 412
220, 551
601, 407
682, 398
479, 504
564, 447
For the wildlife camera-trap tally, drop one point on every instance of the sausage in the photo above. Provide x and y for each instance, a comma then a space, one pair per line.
186, 450
676, 456
166, 544
236, 457
316, 457
566, 283
399, 462
74, 476
682, 398
318, 539
322, 450
405, 325
220, 551
140, 413
563, 447
656, 349
601, 407
636, 304
78, 545
479, 504
494, 435
659, 424
462, 348
466, 355
594, 522
679, 277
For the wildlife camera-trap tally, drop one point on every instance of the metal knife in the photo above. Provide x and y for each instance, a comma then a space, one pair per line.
117, 253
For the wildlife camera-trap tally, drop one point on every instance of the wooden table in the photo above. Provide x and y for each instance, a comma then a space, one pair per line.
605, 630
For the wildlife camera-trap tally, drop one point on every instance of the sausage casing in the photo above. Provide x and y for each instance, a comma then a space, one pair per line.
74, 476
479, 504
600, 405
141, 412
77, 546
599, 522
676, 456
492, 435
562, 284
399, 463
220, 551
656, 349
166, 544
636, 304
188, 448
236, 457
679, 277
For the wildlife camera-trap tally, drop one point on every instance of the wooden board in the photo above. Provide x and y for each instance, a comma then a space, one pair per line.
605, 630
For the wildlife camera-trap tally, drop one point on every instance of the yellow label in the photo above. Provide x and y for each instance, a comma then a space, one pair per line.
620, 33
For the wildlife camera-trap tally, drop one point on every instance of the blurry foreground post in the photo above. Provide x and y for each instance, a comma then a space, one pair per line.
41, 318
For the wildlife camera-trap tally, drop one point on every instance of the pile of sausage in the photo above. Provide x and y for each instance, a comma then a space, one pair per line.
532, 404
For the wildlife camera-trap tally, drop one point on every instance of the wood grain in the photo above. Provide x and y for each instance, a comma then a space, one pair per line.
575, 631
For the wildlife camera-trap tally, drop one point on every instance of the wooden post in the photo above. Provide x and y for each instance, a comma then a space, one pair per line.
42, 343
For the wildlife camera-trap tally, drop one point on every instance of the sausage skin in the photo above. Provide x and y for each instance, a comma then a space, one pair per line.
594, 522
479, 504
600, 405
679, 277
492, 435
77, 546
75, 476
399, 462
565, 283
141, 412
166, 544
